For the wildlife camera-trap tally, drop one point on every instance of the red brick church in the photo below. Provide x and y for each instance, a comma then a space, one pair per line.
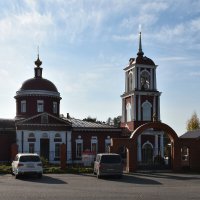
143, 140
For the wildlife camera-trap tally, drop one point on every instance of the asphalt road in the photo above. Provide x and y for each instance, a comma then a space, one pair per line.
68, 186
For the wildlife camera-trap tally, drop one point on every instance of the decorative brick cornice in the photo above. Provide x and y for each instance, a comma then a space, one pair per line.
37, 93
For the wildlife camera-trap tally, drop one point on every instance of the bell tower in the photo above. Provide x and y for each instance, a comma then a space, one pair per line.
141, 99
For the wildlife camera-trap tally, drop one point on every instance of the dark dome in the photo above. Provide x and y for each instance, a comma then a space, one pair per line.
144, 60
38, 84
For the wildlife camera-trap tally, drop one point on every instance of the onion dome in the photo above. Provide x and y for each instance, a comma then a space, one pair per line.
140, 58
38, 85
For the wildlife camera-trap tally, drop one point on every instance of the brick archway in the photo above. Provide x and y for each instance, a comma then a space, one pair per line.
131, 144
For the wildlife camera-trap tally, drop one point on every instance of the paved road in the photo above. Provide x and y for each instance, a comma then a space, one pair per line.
68, 186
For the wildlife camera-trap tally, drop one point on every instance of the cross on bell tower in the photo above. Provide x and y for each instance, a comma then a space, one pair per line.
141, 99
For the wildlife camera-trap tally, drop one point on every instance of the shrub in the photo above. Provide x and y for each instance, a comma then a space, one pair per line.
5, 169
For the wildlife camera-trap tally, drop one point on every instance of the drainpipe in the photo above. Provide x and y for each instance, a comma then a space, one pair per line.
22, 142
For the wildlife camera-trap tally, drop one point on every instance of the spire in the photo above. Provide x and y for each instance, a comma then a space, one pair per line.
140, 52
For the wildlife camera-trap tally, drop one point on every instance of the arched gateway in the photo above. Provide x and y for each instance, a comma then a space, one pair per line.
131, 145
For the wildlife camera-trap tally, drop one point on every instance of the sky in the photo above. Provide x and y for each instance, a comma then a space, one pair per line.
85, 45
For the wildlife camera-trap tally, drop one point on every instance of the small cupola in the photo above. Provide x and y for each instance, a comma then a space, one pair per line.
38, 69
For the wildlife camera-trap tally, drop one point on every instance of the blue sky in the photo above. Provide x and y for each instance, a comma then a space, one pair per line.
85, 44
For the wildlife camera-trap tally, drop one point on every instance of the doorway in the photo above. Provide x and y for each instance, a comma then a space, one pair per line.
44, 148
147, 154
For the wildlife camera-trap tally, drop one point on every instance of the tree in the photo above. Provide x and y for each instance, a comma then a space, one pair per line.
109, 121
193, 123
117, 121
90, 119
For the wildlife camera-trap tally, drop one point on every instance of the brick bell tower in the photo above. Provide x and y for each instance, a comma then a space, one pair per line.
141, 99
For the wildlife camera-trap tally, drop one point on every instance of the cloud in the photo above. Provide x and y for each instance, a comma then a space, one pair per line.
25, 26
154, 7
130, 37
172, 58
194, 74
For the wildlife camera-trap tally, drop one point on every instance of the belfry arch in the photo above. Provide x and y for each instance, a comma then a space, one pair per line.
131, 145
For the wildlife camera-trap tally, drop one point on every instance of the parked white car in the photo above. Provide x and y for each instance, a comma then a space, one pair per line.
27, 163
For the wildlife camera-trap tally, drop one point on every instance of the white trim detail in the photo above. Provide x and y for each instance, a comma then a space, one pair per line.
69, 146
79, 141
139, 108
147, 142
128, 112
134, 108
139, 153
37, 92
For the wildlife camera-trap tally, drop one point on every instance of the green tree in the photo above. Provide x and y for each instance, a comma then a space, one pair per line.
114, 122
193, 123
109, 121
90, 119
117, 121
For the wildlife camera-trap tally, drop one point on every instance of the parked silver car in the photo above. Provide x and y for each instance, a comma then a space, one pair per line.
27, 163
107, 164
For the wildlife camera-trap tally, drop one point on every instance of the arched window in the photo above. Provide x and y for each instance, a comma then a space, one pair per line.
145, 80
31, 140
79, 147
130, 81
31, 137
185, 157
57, 138
107, 144
44, 135
57, 135
146, 111
128, 112
94, 144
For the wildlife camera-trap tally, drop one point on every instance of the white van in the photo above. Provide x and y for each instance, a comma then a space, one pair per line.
107, 164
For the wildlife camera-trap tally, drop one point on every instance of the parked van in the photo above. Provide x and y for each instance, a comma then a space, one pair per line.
107, 164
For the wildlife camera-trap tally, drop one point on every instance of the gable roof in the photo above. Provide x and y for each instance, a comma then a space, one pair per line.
191, 134
80, 125
37, 120
77, 123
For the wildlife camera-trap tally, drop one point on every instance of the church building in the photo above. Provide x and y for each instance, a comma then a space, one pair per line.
40, 128
143, 141
141, 104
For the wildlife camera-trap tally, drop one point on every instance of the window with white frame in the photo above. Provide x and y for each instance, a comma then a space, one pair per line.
57, 151
40, 106
31, 148
79, 147
130, 81
57, 138
146, 111
128, 112
107, 144
31, 137
145, 80
55, 107
23, 106
94, 145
